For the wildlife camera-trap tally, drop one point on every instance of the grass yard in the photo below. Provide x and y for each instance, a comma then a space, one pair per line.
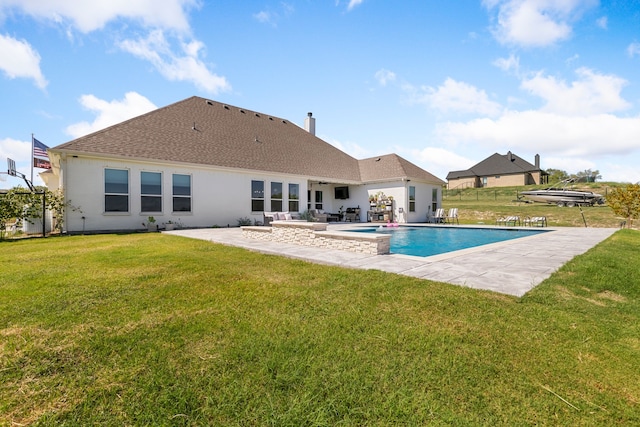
485, 205
151, 329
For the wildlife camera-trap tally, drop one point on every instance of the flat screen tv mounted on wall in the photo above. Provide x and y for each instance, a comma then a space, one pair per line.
342, 193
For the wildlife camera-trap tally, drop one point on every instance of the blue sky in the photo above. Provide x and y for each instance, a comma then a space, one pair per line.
444, 84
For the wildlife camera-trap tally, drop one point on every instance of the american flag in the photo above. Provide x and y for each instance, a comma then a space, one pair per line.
39, 149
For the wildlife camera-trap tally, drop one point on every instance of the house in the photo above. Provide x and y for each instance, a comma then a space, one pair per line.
498, 170
203, 163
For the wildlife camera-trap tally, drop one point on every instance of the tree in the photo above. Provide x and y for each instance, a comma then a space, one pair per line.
625, 201
20, 203
588, 175
557, 175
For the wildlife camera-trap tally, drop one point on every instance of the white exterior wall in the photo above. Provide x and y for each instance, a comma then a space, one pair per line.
219, 197
400, 192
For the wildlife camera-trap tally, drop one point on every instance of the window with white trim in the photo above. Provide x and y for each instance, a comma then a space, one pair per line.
257, 196
150, 192
276, 197
294, 197
318, 199
434, 199
412, 198
116, 190
181, 188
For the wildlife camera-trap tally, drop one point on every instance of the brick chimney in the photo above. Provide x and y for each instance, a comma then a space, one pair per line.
310, 124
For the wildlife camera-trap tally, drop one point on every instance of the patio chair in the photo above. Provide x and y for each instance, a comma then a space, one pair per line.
535, 221
452, 216
438, 216
269, 217
318, 215
508, 220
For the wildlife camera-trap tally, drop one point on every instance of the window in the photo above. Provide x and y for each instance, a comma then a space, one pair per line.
318, 199
116, 190
294, 197
257, 196
181, 193
276, 196
309, 199
434, 199
412, 198
151, 191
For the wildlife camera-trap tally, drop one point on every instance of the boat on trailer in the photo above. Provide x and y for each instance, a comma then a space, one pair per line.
563, 196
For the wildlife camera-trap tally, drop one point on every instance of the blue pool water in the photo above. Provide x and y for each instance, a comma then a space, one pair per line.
427, 241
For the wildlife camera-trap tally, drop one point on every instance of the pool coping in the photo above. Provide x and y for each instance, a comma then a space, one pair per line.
511, 267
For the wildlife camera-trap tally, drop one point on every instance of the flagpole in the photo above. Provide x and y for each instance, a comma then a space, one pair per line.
31, 160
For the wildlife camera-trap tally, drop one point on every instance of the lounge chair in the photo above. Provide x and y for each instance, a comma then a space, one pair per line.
535, 221
508, 221
438, 217
452, 216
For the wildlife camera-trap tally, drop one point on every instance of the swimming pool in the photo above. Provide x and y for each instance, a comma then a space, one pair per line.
427, 241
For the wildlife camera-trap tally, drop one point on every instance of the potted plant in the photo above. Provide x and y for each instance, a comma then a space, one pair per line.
169, 225
151, 224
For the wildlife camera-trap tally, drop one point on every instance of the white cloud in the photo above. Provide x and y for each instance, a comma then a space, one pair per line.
454, 97
385, 76
14, 149
633, 49
19, 60
272, 17
110, 113
87, 16
184, 66
588, 135
169, 16
592, 93
602, 22
535, 23
351, 148
265, 17
353, 4
512, 63
440, 161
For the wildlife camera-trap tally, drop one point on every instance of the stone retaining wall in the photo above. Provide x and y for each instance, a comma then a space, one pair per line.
315, 234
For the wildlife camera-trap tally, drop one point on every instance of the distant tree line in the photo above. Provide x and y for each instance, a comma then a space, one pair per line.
587, 175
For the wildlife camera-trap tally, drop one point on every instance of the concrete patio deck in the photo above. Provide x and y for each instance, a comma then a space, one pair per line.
512, 267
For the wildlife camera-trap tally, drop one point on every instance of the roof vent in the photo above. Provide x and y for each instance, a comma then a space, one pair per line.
271, 118
257, 115
284, 121
226, 107
209, 102
243, 112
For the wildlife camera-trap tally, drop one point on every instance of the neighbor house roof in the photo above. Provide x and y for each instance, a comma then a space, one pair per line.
393, 167
496, 164
205, 132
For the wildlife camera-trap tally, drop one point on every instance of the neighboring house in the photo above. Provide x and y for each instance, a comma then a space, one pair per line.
203, 163
498, 171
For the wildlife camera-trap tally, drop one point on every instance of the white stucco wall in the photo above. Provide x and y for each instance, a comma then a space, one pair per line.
219, 197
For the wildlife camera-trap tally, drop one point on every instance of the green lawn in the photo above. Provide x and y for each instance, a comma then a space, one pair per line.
151, 329
485, 205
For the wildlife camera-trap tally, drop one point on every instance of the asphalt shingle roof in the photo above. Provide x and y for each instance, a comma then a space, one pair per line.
205, 132
496, 164
393, 167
